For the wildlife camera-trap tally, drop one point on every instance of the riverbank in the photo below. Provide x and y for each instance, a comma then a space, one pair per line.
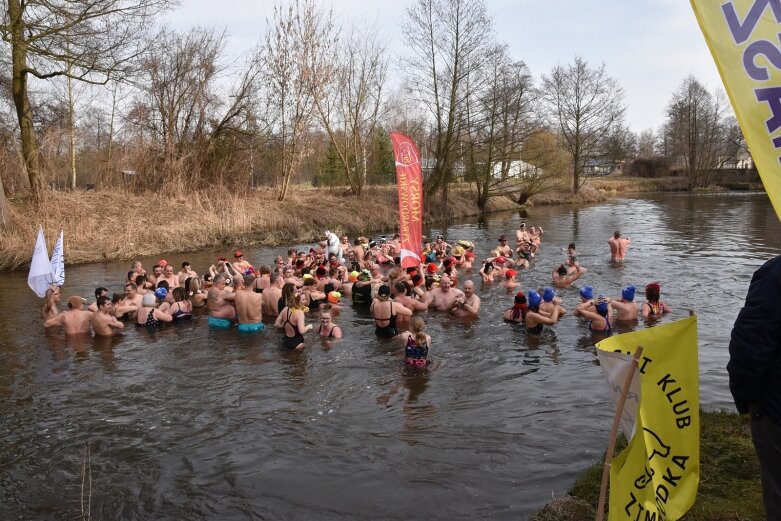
106, 226
729, 478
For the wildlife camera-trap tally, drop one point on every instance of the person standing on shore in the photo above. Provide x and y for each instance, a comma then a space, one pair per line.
618, 247
755, 376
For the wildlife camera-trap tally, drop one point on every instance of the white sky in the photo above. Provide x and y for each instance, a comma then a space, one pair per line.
649, 46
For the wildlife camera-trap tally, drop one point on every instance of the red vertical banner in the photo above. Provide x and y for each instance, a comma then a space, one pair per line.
410, 184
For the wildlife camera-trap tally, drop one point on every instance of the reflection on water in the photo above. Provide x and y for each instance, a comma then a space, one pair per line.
185, 422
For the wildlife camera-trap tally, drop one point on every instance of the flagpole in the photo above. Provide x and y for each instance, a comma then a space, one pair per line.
611, 446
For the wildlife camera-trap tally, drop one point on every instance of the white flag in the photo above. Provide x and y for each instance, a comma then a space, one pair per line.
616, 367
40, 276
58, 262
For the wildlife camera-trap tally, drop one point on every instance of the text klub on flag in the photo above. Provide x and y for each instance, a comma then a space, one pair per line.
657, 475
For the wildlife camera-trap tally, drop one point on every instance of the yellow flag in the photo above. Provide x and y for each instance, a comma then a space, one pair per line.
656, 476
743, 36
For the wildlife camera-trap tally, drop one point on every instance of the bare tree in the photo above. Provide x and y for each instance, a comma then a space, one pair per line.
646, 142
695, 130
447, 39
180, 107
498, 117
297, 61
87, 40
585, 104
350, 104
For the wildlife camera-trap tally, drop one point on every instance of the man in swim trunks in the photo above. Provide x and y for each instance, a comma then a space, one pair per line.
469, 305
75, 321
618, 247
103, 320
248, 306
445, 297
218, 300
99, 292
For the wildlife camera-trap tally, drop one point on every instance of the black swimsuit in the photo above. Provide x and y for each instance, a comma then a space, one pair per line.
292, 342
388, 331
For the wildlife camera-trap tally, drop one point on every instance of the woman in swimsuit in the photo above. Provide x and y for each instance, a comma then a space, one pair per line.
517, 313
653, 307
384, 313
327, 328
487, 273
193, 291
417, 342
148, 314
181, 309
292, 321
535, 320
313, 296
599, 315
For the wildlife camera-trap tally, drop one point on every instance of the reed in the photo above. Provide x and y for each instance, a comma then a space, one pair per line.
114, 225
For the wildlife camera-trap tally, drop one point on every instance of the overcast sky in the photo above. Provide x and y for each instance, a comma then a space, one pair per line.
649, 46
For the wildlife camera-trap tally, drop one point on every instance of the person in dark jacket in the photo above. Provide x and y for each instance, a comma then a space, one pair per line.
755, 375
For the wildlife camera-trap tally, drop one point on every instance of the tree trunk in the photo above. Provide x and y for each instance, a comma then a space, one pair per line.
5, 211
24, 111
72, 134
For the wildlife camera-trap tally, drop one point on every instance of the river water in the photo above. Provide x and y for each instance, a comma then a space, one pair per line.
188, 423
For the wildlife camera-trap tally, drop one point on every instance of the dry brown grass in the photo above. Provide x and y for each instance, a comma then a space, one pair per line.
110, 225
586, 194
639, 184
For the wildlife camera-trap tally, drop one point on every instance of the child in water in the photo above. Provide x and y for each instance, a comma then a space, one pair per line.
417, 343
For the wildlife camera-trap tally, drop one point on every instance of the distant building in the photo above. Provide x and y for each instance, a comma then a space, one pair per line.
597, 166
517, 168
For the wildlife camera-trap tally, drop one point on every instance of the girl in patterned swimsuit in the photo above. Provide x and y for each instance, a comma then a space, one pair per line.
418, 343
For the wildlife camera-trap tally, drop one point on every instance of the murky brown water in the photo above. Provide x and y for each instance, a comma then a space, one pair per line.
188, 423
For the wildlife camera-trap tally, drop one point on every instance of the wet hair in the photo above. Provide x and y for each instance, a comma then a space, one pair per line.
140, 280
401, 288
265, 269
325, 308
616, 234
289, 294
131, 275
116, 297
131, 285
488, 267
178, 294
309, 282
273, 278
249, 280
99, 291
571, 246
652, 293
102, 301
156, 266
562, 270
418, 327
164, 284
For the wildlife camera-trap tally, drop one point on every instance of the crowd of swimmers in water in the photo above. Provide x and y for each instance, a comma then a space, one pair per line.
369, 274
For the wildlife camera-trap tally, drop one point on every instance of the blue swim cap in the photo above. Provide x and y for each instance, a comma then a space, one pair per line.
548, 294
587, 292
628, 293
601, 306
534, 298
161, 293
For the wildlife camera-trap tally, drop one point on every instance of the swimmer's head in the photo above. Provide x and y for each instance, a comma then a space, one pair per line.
510, 274
534, 299
384, 291
520, 298
75, 302
616, 234
586, 293
470, 255
548, 295
601, 306
161, 293
431, 268
562, 270
148, 300
334, 297
652, 291
500, 260
628, 293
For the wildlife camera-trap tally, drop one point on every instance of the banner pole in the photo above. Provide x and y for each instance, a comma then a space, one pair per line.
611, 446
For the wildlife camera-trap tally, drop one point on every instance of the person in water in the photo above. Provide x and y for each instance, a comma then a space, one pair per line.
148, 314
517, 313
384, 313
534, 319
618, 247
75, 320
417, 344
293, 322
561, 277
103, 321
248, 307
550, 301
599, 315
653, 307
626, 308
327, 327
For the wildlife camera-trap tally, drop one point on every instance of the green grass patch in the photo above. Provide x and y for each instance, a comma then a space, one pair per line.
729, 488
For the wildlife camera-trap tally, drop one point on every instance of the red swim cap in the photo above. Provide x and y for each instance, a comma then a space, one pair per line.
431, 268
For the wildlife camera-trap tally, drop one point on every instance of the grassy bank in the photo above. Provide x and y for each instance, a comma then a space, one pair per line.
102, 225
729, 478
620, 184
